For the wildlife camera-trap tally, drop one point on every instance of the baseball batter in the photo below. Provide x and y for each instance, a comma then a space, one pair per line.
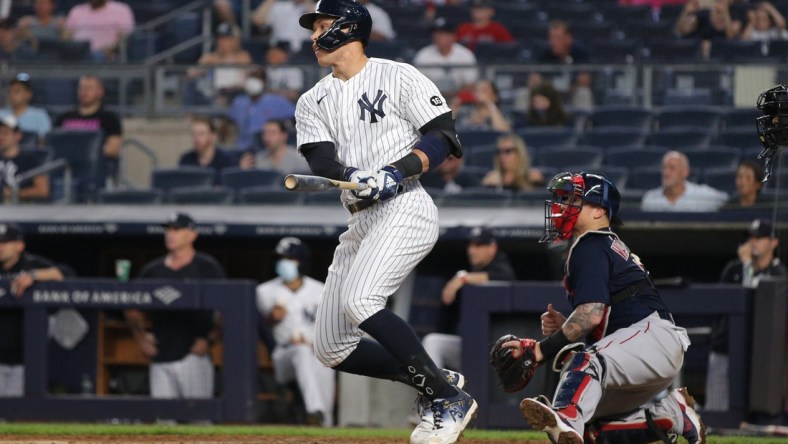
607, 389
381, 123
289, 303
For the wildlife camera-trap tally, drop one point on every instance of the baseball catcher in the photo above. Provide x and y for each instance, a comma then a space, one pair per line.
772, 125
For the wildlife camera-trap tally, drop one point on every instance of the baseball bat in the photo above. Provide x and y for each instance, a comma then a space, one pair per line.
304, 182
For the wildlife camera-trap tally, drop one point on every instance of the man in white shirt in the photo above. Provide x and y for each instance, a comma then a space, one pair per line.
278, 16
381, 22
447, 63
679, 194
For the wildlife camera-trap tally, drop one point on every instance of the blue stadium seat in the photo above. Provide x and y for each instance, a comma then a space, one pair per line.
634, 157
673, 50
130, 197
209, 195
541, 136
478, 197
687, 96
472, 138
617, 174
584, 156
83, 152
497, 52
480, 156
645, 178
741, 118
700, 116
166, 179
681, 136
238, 178
631, 116
614, 136
721, 178
716, 156
271, 195
389, 49
739, 51
613, 50
29, 139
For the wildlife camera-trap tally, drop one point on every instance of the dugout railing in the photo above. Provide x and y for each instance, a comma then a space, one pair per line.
237, 400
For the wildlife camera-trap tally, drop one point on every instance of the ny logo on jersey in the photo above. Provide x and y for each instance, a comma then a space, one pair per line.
375, 107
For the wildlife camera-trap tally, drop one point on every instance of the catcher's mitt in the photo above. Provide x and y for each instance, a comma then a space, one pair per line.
514, 373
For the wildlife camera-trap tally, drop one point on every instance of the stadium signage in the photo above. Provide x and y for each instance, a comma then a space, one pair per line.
92, 297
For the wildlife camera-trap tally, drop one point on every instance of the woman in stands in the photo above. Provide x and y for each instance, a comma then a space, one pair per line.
512, 166
749, 182
764, 23
545, 107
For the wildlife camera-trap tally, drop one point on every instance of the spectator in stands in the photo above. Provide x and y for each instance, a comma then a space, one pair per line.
30, 118
281, 77
103, 23
276, 18
679, 194
450, 177
546, 107
480, 108
204, 152
512, 166
14, 161
448, 64
708, 23
764, 23
381, 22
224, 68
289, 304
276, 153
749, 183
563, 49
250, 110
91, 115
23, 270
756, 259
12, 46
226, 11
487, 263
178, 343
482, 27
45, 24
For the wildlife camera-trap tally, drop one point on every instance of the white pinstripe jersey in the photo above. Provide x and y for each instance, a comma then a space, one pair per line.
372, 118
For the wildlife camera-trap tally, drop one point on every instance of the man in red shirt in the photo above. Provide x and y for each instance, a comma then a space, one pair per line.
482, 27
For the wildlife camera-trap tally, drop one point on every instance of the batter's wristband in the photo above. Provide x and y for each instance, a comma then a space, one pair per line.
410, 165
551, 345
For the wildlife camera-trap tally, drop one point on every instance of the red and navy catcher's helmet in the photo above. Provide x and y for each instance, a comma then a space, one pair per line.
773, 124
353, 22
570, 191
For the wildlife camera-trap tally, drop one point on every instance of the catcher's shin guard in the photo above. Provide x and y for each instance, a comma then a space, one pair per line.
639, 432
581, 377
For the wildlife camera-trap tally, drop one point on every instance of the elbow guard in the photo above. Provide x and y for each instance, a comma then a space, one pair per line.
322, 160
439, 139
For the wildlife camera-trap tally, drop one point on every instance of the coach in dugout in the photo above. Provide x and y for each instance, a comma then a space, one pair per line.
23, 270
178, 343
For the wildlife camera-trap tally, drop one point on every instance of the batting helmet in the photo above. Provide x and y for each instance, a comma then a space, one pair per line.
349, 14
292, 247
569, 191
773, 124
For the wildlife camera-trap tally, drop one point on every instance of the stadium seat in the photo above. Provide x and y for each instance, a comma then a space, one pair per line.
497, 52
533, 198
470, 139
268, 195
562, 158
617, 174
687, 96
166, 179
613, 136
739, 51
130, 197
238, 178
673, 50
29, 139
645, 178
723, 179
478, 197
700, 116
480, 156
83, 152
611, 50
201, 195
740, 137
634, 157
631, 116
740, 118
681, 136
540, 136
716, 156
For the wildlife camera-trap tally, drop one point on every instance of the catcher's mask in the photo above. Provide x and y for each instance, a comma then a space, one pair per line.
569, 191
353, 22
773, 124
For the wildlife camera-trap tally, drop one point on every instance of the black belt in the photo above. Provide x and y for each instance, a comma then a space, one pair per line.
630, 291
360, 205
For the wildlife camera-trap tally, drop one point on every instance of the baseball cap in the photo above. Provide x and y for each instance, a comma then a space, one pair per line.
10, 121
441, 24
179, 220
760, 228
481, 235
11, 232
23, 79
227, 30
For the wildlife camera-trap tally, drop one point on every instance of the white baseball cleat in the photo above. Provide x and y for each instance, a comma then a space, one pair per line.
450, 417
541, 417
425, 424
694, 429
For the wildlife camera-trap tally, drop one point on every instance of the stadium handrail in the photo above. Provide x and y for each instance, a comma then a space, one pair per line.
47, 167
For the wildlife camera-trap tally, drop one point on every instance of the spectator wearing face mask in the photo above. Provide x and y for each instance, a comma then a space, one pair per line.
249, 111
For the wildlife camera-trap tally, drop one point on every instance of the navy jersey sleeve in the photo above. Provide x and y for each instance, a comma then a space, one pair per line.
589, 274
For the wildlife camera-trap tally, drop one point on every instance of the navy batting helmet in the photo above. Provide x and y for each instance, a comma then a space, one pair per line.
569, 191
292, 247
352, 23
773, 124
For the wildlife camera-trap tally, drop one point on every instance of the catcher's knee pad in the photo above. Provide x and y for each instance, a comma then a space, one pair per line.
582, 369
